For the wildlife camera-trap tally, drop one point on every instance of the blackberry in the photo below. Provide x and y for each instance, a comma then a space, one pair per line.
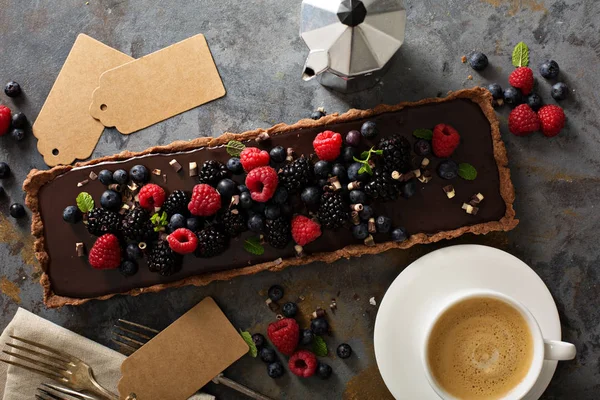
163, 260
278, 232
101, 221
212, 172
382, 186
212, 241
136, 225
234, 221
295, 175
333, 211
396, 153
176, 203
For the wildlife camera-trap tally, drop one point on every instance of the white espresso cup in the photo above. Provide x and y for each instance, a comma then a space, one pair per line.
543, 349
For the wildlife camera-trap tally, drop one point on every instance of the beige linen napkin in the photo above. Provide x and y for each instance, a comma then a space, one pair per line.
17, 383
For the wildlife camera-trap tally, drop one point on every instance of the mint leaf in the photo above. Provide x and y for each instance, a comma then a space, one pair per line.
234, 148
85, 202
426, 134
252, 245
363, 155
159, 221
520, 55
320, 347
378, 152
467, 171
248, 339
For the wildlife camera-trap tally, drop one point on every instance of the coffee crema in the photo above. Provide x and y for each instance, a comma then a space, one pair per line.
480, 348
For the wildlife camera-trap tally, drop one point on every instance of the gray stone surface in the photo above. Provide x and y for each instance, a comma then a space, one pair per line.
259, 55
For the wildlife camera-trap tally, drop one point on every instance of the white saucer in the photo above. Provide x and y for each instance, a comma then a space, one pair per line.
401, 319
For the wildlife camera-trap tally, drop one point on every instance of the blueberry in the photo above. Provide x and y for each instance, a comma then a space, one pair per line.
12, 89
323, 371
322, 169
366, 213
478, 61
369, 129
275, 370
246, 200
496, 91
72, 215
243, 188
408, 189
19, 120
549, 69
235, 165
259, 208
348, 154
272, 211
319, 326
357, 196
317, 114
275, 293
4, 170
177, 221
344, 350
513, 97
353, 174
139, 174
259, 340
534, 101
353, 138
340, 171
278, 154
128, 268
281, 195
105, 177
133, 252
306, 337
311, 196
267, 355
256, 223
17, 134
321, 183
194, 224
559, 91
383, 224
289, 309
226, 188
399, 235
17, 210
447, 169
360, 231
422, 147
111, 200
120, 176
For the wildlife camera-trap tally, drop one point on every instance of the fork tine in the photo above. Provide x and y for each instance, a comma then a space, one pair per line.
138, 326
48, 349
50, 396
38, 363
47, 357
125, 345
129, 339
55, 377
134, 333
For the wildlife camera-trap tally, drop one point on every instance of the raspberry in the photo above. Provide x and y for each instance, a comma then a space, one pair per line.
522, 78
106, 252
284, 335
552, 120
151, 196
303, 363
305, 230
5, 117
327, 145
262, 183
183, 241
252, 157
523, 120
205, 201
445, 140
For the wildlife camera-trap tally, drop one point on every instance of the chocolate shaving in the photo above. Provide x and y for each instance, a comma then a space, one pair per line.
318, 313
83, 182
80, 249
193, 169
116, 187
369, 241
93, 175
356, 207
175, 164
156, 171
355, 217
371, 225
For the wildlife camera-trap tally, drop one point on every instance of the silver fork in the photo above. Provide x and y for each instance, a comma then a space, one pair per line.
58, 366
134, 339
49, 391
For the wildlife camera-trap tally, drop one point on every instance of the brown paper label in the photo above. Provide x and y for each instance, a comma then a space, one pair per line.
157, 86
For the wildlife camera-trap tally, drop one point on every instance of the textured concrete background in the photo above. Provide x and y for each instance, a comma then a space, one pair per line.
259, 55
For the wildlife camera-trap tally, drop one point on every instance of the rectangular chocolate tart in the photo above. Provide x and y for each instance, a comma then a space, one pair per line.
428, 216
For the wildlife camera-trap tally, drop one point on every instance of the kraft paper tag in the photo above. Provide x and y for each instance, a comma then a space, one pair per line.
184, 357
157, 86
64, 128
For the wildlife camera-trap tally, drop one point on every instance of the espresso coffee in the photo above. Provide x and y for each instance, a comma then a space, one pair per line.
480, 348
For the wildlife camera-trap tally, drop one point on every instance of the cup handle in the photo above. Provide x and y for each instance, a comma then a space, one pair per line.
557, 350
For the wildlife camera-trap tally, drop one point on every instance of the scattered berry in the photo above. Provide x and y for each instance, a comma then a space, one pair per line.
422, 147
534, 101
194, 224
139, 174
262, 182
16, 210
151, 196
496, 91
19, 120
333, 210
246, 200
522, 78
258, 340
445, 140
304, 230
353, 174
226, 188
133, 252
235, 166
323, 371
319, 326
552, 120
253, 157
549, 69
275, 293
353, 138
205, 201
212, 172
290, 309
360, 231
340, 171
105, 177
101, 221
383, 224
513, 97
306, 337
120, 176
243, 188
328, 145
296, 175
281, 195
17, 134
447, 169
369, 129
12, 89
278, 154
183, 241
311, 196
72, 215
396, 153
303, 363
106, 252
382, 186
318, 114
136, 225
366, 213
399, 235
233, 221
348, 154
256, 223
5, 119
322, 169
4, 170
212, 241
163, 260
111, 200
268, 355
408, 189
559, 91
357, 197
176, 203
275, 370
478, 61
278, 232
284, 335
344, 350
272, 211
128, 268
523, 120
